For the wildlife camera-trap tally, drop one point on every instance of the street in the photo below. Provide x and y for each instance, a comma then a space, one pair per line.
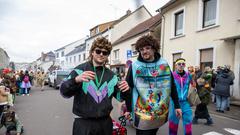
48, 113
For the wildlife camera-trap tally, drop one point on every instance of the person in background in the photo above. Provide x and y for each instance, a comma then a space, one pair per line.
26, 85
42, 79
21, 90
31, 77
11, 121
231, 73
204, 92
222, 89
191, 70
3, 98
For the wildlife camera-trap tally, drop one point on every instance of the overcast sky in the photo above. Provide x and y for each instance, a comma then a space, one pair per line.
29, 27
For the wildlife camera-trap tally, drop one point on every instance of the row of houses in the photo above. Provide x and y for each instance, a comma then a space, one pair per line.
4, 59
204, 32
67, 57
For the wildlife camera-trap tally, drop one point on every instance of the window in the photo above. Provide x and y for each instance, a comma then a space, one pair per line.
178, 23
66, 59
106, 36
175, 57
74, 59
70, 59
79, 57
57, 55
134, 51
97, 30
116, 54
206, 58
62, 53
209, 12
84, 56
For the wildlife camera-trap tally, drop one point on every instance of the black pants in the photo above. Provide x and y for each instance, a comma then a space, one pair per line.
102, 126
1, 109
146, 132
13, 128
201, 111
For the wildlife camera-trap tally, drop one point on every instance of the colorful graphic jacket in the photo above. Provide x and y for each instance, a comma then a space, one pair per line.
152, 85
182, 82
89, 100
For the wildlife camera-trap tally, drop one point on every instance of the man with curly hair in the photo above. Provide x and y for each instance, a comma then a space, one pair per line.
152, 85
93, 85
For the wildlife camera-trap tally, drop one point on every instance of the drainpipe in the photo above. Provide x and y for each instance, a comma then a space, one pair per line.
162, 32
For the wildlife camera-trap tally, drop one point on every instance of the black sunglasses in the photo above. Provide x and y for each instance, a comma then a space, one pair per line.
181, 64
105, 53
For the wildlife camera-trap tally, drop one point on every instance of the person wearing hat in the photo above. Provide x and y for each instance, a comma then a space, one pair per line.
231, 73
182, 79
222, 89
152, 85
11, 122
93, 86
204, 92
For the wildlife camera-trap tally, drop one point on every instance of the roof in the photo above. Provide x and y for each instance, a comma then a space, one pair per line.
50, 54
66, 45
44, 55
77, 49
118, 21
100, 33
6, 54
126, 15
168, 4
140, 28
60, 49
103, 24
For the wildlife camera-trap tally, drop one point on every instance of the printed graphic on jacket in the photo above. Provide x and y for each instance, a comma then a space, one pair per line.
98, 94
152, 83
182, 84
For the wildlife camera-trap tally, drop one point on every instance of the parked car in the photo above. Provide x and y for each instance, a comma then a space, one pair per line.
56, 77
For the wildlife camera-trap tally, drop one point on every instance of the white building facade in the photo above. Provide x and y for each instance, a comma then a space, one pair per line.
61, 52
204, 32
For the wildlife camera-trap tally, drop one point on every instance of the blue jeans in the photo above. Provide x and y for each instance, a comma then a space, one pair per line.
221, 102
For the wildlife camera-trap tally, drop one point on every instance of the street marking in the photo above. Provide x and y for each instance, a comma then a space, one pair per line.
212, 133
232, 131
224, 117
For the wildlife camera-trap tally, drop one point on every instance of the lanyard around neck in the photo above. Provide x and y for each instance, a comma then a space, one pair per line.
98, 82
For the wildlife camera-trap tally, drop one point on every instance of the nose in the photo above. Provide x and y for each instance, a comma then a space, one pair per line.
145, 50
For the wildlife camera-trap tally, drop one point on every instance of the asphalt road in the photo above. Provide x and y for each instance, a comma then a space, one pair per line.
48, 113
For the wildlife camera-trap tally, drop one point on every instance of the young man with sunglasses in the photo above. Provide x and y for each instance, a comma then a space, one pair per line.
152, 85
93, 85
182, 79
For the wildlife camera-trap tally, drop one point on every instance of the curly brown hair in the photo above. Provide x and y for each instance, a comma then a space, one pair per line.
102, 43
147, 40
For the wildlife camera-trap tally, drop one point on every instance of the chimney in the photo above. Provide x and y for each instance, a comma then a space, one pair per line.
129, 12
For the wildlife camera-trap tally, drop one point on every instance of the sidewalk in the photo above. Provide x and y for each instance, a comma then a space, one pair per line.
234, 112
